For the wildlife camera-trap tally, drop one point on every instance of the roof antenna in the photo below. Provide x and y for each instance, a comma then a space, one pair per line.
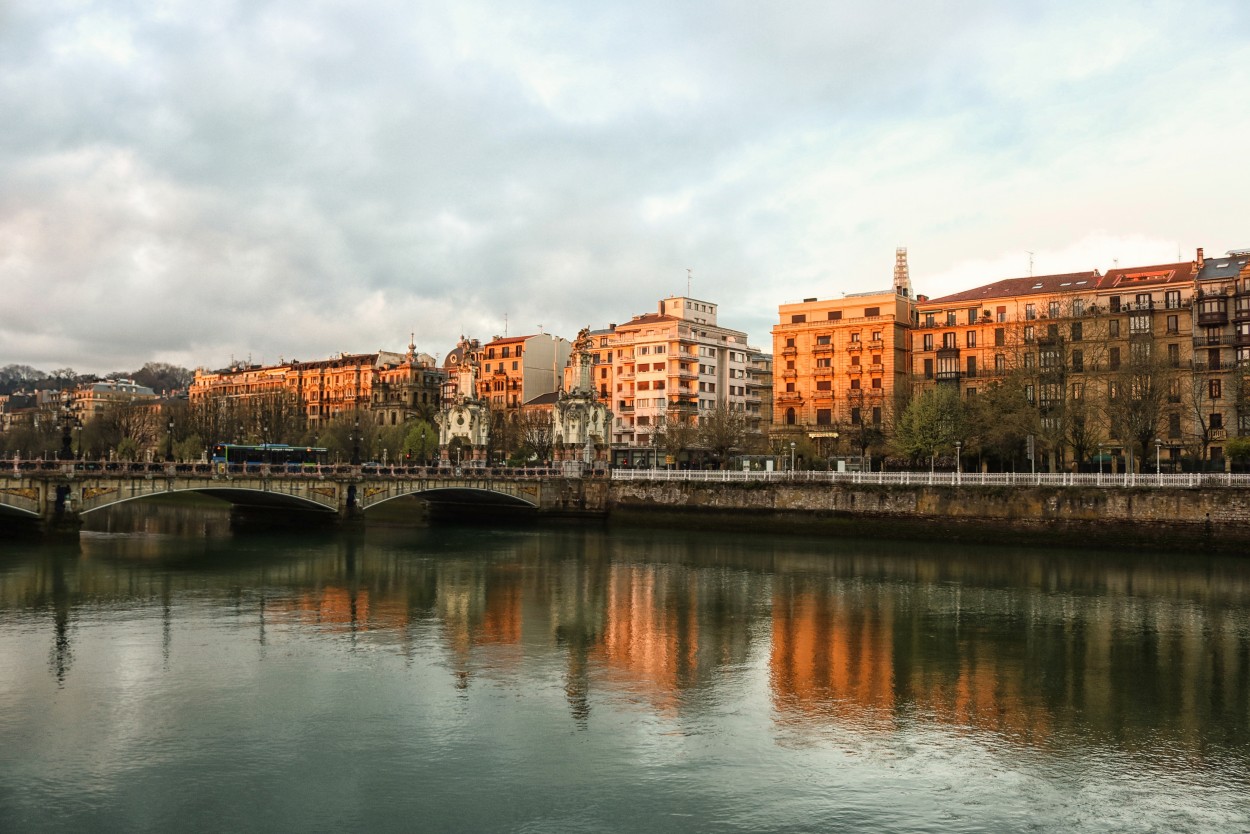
505, 325
1030, 264
687, 282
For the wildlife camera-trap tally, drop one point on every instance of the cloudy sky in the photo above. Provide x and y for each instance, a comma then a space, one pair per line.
189, 182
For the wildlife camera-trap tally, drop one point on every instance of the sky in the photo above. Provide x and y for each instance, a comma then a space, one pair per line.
201, 182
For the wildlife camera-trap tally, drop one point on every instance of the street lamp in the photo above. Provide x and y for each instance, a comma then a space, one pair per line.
78, 428
791, 455
169, 441
959, 468
1100, 463
1158, 446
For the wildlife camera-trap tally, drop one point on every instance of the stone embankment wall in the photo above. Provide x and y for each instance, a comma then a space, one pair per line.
1164, 518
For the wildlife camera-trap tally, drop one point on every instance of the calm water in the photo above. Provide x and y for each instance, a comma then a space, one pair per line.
163, 675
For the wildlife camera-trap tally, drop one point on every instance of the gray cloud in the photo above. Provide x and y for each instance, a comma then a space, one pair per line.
295, 179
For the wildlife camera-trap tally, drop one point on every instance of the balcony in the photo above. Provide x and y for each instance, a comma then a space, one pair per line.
1241, 339
825, 348
1205, 340
1213, 311
947, 376
823, 370
855, 347
1242, 311
948, 353
855, 370
876, 369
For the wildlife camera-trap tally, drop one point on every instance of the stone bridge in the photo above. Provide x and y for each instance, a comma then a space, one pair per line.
56, 496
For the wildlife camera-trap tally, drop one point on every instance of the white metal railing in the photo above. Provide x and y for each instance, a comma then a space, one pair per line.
1012, 479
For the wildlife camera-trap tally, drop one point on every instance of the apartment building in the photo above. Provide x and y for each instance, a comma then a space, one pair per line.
1221, 349
668, 365
1098, 355
325, 389
838, 362
513, 371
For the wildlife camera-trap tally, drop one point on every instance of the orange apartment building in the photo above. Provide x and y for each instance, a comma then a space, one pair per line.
328, 388
839, 361
513, 371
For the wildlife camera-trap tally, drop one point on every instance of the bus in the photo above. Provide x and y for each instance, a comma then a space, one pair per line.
272, 454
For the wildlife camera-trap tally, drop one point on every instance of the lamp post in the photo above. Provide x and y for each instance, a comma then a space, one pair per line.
959, 468
791, 456
169, 441
1100, 464
78, 428
424, 451
1158, 446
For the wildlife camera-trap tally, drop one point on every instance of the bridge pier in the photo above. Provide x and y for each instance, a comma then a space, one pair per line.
60, 514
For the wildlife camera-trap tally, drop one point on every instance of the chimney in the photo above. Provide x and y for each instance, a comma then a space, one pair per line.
1200, 259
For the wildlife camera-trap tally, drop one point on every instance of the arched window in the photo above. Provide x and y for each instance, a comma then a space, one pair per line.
791, 417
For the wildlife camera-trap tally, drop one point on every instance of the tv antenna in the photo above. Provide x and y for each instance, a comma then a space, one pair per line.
688, 271
1030, 264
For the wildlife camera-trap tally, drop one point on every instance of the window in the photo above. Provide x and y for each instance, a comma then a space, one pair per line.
1052, 309
789, 366
876, 415
928, 341
1174, 355
1000, 363
972, 338
1172, 299
855, 384
1077, 331
824, 340
514, 366
1078, 390
972, 366
1000, 314
789, 342
835, 315
855, 359
855, 418
824, 385
1216, 420
855, 336
876, 382
1078, 361
876, 335
950, 318
825, 362
1139, 323
1052, 332
1143, 301
1000, 337
948, 340
929, 320
872, 311
1028, 333
798, 318
972, 315
1174, 426
1028, 360
1214, 389
1114, 302
791, 417
1078, 307
1113, 328
824, 416
928, 369
1030, 312
1113, 359
789, 387
876, 359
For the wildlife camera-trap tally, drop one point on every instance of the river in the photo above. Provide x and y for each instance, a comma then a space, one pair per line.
163, 673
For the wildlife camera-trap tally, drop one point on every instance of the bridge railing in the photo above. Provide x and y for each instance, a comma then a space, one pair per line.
1015, 479
124, 469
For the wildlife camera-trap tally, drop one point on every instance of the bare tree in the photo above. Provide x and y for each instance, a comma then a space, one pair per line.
536, 431
677, 434
723, 429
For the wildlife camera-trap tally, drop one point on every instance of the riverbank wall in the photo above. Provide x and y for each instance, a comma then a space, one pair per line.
1160, 518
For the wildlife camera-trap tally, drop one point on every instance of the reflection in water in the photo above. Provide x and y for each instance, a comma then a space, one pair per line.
1045, 651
